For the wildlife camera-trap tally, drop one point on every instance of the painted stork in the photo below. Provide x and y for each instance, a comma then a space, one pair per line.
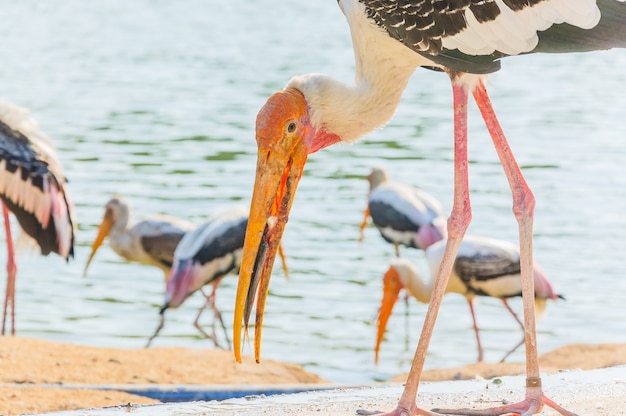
483, 267
203, 257
391, 38
151, 241
403, 214
33, 188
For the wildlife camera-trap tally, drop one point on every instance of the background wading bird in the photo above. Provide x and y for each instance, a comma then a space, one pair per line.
391, 38
151, 241
403, 214
203, 257
33, 188
483, 267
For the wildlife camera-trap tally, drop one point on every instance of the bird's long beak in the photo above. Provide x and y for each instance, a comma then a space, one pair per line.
282, 131
391, 289
274, 190
103, 231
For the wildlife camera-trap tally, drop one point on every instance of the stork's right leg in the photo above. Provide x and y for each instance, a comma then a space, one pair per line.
457, 225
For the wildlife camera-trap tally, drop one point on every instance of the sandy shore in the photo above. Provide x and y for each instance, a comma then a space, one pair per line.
28, 366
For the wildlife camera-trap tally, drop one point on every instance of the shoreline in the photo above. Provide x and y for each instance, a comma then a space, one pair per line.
38, 376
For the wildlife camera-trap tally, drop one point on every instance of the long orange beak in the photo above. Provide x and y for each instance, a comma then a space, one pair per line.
281, 159
391, 289
103, 231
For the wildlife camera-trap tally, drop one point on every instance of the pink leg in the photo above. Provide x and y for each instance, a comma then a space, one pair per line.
209, 301
217, 315
476, 330
523, 207
11, 273
457, 225
521, 324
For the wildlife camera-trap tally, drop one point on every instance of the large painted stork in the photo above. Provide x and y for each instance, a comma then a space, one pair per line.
33, 187
391, 38
151, 241
203, 257
403, 214
483, 267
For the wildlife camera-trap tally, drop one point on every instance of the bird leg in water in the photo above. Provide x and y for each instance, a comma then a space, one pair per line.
521, 324
9, 297
366, 217
523, 207
476, 330
217, 316
159, 328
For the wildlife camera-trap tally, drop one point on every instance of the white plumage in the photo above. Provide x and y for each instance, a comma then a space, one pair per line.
515, 32
484, 267
403, 214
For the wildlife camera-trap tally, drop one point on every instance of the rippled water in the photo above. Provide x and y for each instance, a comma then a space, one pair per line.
156, 100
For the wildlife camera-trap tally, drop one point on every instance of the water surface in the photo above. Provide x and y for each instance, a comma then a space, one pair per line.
157, 101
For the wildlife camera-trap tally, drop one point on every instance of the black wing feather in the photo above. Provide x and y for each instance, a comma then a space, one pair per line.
227, 243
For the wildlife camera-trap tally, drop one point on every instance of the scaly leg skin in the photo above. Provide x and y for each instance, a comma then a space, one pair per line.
457, 225
9, 297
523, 206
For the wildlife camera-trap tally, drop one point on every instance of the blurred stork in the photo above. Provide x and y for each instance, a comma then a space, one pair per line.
203, 257
151, 241
403, 214
33, 188
483, 267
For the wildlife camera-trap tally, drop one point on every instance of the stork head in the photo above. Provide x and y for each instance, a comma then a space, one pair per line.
116, 212
376, 177
285, 137
392, 285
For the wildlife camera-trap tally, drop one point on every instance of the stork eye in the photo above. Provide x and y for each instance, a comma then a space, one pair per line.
291, 127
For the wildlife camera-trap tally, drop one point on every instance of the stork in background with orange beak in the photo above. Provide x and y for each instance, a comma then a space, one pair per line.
483, 267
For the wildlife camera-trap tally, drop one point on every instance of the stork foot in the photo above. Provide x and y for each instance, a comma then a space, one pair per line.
399, 411
533, 404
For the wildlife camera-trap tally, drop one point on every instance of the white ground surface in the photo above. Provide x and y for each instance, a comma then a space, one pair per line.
587, 393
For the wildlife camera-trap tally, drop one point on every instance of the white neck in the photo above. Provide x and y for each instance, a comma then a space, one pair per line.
383, 68
122, 221
412, 280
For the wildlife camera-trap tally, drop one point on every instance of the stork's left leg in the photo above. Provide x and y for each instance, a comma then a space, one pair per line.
523, 207
9, 297
521, 324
